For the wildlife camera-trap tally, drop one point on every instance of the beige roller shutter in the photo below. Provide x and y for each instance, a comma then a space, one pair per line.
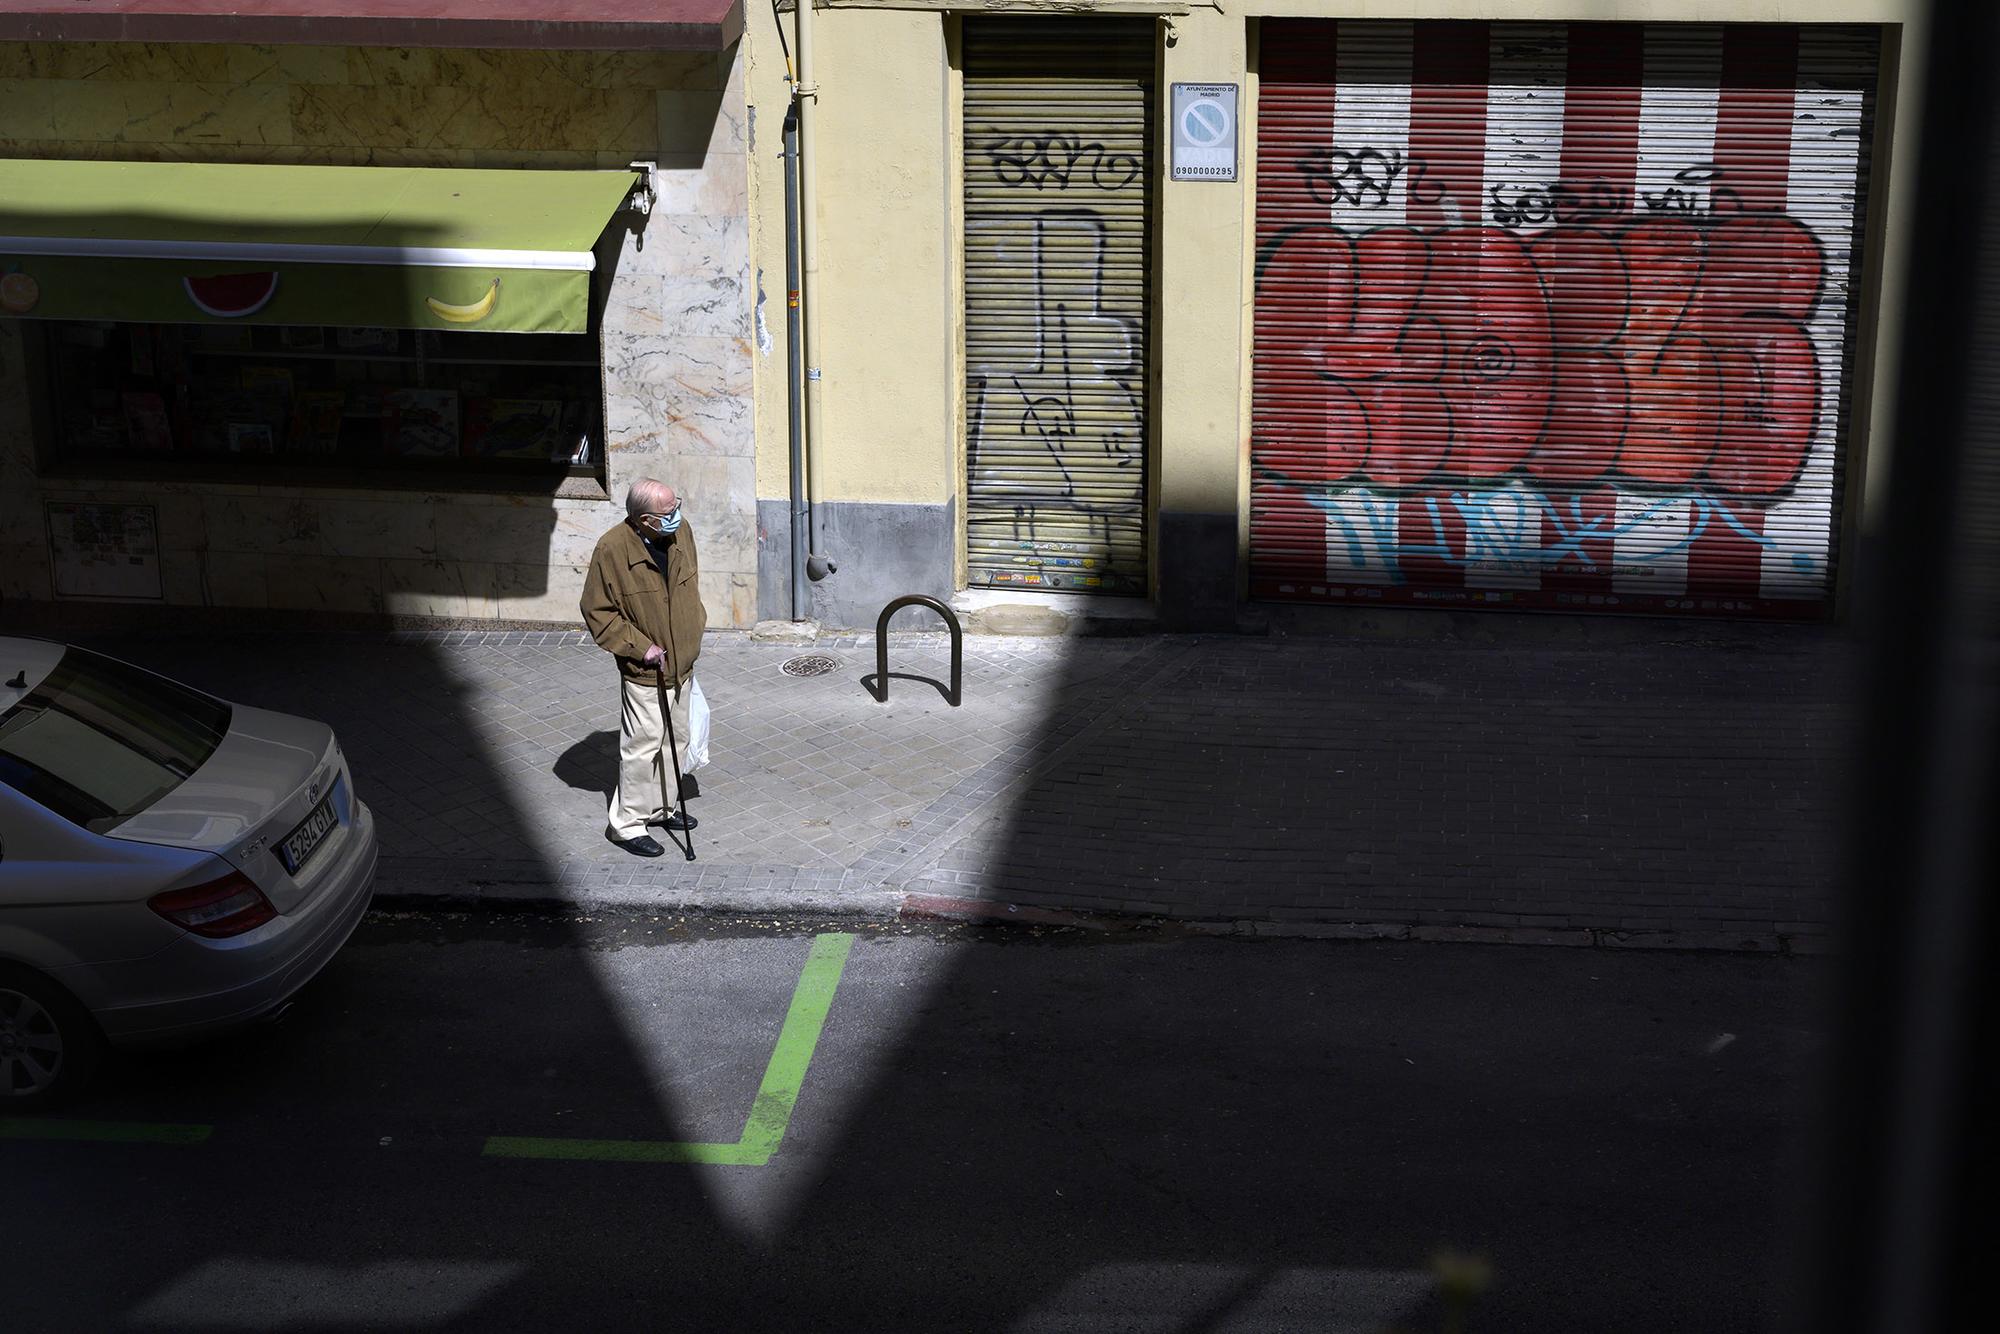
1058, 193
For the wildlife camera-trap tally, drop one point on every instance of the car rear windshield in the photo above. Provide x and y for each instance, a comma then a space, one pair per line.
100, 740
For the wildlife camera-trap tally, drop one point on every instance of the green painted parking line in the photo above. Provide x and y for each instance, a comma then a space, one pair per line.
103, 1132
770, 1115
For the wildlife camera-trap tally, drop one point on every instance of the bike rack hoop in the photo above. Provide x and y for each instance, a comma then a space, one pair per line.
952, 696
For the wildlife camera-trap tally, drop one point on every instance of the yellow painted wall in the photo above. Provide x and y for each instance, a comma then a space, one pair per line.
1205, 233
887, 239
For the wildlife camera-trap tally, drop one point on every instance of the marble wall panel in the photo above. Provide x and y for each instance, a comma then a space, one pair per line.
180, 577
390, 528
170, 113
400, 66
252, 523
27, 110
279, 154
742, 601
24, 571
139, 62
343, 114
235, 579
716, 184
665, 423
183, 522
632, 437
728, 540
495, 117
715, 304
287, 64
710, 487
632, 305
472, 68
469, 530
645, 69
325, 583
536, 159
17, 449
699, 367
453, 588
730, 598
701, 121
539, 593
684, 246
703, 265
579, 525
679, 395
32, 60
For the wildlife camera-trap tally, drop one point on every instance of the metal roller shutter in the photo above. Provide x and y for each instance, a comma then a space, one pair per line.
1058, 190
1556, 314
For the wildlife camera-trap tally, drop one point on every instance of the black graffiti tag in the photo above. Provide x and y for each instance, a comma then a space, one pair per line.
1723, 201
1075, 401
1361, 177
1053, 159
1559, 202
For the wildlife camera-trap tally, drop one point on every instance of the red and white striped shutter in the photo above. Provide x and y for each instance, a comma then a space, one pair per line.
1556, 315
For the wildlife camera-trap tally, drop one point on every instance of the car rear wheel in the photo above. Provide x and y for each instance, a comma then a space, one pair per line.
49, 1047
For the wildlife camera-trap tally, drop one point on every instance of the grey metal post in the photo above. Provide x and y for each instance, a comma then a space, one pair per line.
794, 373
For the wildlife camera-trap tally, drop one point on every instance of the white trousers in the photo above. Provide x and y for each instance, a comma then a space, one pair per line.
645, 775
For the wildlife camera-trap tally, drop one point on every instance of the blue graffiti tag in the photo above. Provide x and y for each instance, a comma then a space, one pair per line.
1508, 528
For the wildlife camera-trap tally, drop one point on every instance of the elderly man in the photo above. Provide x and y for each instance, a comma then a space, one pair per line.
642, 605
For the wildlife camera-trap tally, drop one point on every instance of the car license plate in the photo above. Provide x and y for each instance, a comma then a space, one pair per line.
298, 846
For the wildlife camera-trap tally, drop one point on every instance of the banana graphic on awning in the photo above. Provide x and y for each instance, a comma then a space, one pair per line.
471, 313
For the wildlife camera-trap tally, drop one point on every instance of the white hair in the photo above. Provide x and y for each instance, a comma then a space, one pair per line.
646, 496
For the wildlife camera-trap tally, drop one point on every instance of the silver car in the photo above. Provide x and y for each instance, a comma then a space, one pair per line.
170, 864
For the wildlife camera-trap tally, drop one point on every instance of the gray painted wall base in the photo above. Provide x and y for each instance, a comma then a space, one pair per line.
1197, 570
882, 551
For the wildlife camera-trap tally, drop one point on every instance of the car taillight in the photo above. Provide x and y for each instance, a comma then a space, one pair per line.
219, 909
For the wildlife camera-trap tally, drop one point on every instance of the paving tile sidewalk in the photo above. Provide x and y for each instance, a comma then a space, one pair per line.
1648, 792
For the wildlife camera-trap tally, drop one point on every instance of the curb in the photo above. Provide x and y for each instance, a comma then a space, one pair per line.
890, 906
986, 912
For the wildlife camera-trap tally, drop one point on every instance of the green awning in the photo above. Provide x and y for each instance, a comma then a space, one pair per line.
386, 247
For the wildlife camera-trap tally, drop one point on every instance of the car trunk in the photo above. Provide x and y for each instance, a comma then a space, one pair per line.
274, 776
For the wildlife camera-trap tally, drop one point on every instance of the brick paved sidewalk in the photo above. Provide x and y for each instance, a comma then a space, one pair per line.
1635, 791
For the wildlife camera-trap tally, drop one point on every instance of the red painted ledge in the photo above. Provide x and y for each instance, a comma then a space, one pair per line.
574, 25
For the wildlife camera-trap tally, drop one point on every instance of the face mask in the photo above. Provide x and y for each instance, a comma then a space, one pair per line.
663, 526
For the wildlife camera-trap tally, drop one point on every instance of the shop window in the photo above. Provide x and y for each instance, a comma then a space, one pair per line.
245, 400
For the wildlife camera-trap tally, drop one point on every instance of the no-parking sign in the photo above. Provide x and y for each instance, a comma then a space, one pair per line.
1204, 132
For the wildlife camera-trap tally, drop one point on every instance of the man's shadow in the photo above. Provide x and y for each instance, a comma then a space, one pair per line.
591, 765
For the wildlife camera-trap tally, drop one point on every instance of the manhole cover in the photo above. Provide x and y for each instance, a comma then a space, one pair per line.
809, 664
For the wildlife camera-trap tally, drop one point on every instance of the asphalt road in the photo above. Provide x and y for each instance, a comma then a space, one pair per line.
1024, 1133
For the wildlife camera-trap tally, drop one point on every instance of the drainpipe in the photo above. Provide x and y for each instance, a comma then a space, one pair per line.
794, 362
805, 97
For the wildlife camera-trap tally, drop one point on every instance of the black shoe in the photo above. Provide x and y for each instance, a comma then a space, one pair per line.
643, 846
680, 822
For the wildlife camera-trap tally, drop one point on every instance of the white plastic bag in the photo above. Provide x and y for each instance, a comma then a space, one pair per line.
697, 751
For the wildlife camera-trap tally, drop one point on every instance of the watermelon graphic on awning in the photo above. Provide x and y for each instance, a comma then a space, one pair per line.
231, 296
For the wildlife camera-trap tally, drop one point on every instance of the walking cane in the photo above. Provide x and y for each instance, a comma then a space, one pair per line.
673, 749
